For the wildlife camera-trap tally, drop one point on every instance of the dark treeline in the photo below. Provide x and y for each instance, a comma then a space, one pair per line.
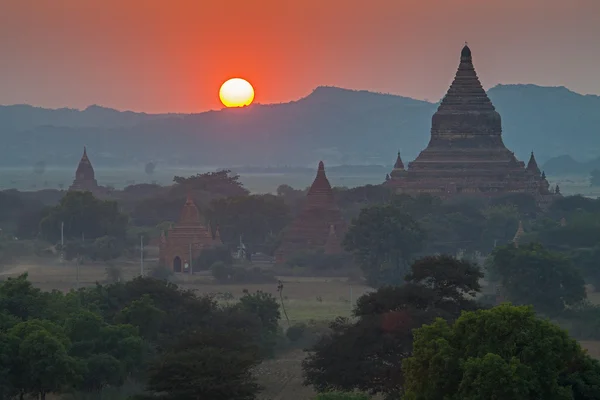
429, 330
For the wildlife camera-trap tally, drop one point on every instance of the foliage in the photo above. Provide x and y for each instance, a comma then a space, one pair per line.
588, 262
253, 218
84, 216
222, 182
504, 353
436, 287
150, 167
96, 338
265, 306
161, 272
533, 275
207, 364
211, 255
383, 240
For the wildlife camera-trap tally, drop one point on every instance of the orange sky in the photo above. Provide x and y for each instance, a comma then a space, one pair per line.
172, 55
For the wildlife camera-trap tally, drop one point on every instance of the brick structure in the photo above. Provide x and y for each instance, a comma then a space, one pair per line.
188, 237
466, 154
85, 177
319, 225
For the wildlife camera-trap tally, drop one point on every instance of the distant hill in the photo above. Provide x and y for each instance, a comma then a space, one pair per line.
336, 125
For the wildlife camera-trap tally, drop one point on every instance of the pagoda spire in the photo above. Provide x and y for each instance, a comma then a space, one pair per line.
189, 213
532, 166
399, 164
320, 192
466, 92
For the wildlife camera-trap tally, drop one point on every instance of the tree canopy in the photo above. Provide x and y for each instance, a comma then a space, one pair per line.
530, 274
502, 353
383, 240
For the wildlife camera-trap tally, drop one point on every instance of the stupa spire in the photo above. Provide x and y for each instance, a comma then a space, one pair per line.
399, 164
189, 213
532, 166
466, 92
320, 191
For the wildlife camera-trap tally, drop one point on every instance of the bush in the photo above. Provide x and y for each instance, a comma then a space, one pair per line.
161, 272
296, 332
211, 255
114, 274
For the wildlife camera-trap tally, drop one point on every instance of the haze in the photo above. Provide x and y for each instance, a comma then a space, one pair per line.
157, 56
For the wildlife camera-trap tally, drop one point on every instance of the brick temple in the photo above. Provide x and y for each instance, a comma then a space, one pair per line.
186, 239
466, 154
318, 226
85, 177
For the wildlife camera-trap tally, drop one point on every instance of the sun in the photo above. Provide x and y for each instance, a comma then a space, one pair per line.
236, 92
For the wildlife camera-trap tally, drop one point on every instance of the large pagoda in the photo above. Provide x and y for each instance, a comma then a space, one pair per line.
466, 154
186, 239
319, 226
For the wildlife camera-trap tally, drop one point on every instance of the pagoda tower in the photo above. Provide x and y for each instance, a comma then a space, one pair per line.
319, 219
85, 179
186, 239
466, 153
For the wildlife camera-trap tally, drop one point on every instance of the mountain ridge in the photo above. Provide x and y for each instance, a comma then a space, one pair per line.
342, 126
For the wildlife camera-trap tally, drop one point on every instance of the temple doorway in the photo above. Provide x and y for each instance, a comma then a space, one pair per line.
177, 264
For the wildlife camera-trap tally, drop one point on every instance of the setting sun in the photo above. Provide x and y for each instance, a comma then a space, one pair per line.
236, 92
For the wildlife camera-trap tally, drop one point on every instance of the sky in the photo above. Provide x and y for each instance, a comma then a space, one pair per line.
172, 55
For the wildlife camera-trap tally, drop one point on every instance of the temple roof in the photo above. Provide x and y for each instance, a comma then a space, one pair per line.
466, 92
189, 214
532, 165
84, 171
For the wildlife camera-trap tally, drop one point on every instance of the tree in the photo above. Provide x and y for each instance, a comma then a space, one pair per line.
149, 168
588, 262
383, 240
20, 299
436, 287
533, 275
84, 217
264, 306
253, 218
502, 353
222, 182
144, 315
207, 364
43, 364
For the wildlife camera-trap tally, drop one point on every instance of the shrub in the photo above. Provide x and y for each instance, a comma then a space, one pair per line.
296, 332
114, 274
161, 272
211, 255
